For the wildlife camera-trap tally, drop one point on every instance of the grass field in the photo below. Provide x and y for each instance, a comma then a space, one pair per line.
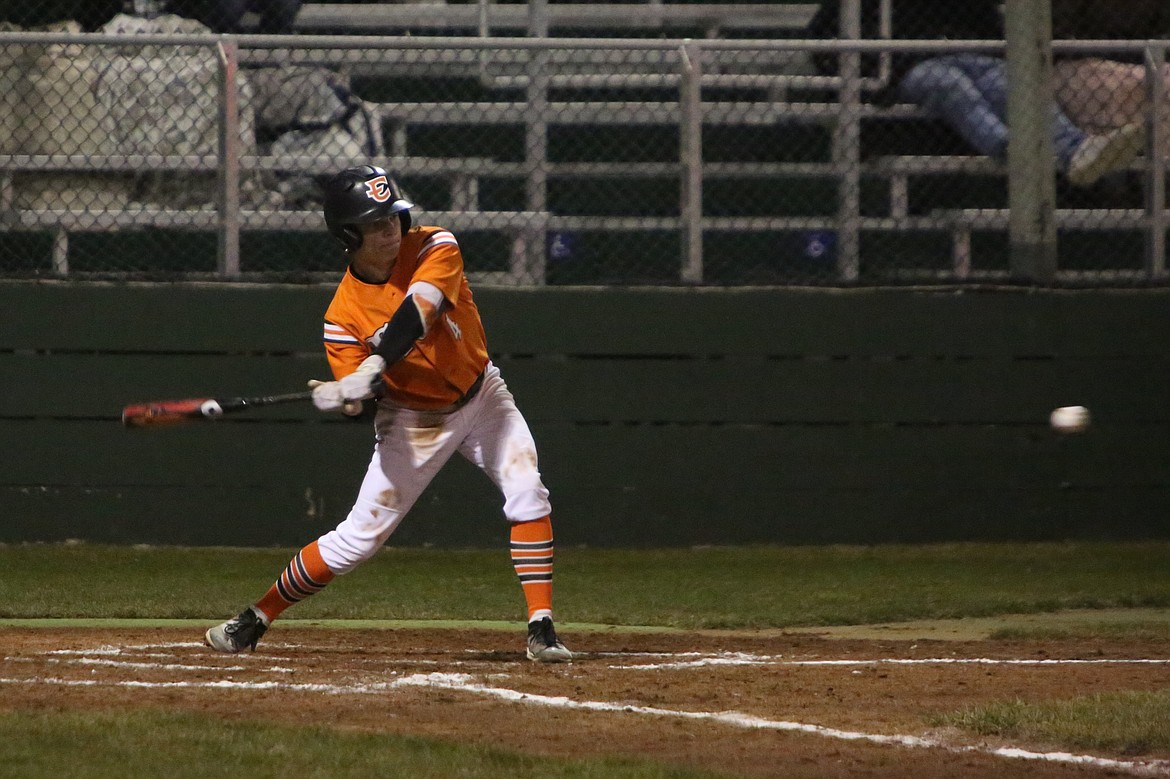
1120, 591
732, 587
176, 744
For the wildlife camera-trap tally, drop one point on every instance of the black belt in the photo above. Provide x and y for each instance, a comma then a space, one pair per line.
472, 391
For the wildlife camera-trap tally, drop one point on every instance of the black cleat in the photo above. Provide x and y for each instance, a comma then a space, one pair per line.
543, 646
237, 634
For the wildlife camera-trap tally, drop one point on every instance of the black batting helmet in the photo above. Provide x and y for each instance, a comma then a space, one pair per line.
362, 195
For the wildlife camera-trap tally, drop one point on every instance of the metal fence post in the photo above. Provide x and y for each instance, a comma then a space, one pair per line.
229, 160
691, 162
1031, 181
847, 148
536, 145
1156, 170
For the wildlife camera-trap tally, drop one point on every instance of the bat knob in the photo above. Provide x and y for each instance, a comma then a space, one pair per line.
211, 408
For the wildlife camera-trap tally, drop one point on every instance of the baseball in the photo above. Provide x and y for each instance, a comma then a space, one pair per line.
211, 408
1070, 419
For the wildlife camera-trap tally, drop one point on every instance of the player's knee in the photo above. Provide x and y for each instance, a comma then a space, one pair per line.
527, 505
344, 554
340, 553
360, 536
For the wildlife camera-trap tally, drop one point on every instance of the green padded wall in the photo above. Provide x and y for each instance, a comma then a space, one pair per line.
662, 416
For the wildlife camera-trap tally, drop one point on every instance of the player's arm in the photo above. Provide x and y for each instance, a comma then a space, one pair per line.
394, 340
345, 352
411, 322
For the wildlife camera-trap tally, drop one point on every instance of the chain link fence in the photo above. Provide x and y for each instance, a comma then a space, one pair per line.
150, 148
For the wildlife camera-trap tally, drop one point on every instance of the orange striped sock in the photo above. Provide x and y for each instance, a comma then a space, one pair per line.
305, 575
532, 557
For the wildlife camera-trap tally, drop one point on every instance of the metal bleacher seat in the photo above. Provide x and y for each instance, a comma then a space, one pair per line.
769, 86
653, 18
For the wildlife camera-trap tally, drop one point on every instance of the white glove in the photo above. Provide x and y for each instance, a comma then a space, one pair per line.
327, 397
366, 381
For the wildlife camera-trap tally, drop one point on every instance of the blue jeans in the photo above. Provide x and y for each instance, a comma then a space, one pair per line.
969, 93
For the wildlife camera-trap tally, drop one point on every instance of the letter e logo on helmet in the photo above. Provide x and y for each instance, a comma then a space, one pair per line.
378, 189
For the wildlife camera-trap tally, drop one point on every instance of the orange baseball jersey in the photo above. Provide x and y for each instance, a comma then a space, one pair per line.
446, 361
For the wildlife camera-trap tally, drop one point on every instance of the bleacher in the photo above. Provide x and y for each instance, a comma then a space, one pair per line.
512, 187
647, 19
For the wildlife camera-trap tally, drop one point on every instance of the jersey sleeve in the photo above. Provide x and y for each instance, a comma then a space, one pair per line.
343, 350
429, 300
440, 263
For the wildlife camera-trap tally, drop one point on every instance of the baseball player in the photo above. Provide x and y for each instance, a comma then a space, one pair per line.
404, 330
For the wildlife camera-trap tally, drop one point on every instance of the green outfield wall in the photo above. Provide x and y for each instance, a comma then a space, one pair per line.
662, 416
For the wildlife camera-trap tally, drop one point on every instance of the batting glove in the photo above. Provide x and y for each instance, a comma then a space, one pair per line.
366, 381
327, 397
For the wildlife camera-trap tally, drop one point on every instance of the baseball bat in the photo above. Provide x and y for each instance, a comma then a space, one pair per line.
158, 413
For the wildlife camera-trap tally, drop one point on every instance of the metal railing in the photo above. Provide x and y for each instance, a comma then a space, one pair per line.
700, 96
488, 18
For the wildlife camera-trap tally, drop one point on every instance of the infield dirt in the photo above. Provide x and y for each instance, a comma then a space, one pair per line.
749, 704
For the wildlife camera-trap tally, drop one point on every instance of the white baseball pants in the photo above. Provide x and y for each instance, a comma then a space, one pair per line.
413, 445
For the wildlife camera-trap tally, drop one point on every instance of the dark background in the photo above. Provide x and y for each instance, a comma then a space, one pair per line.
663, 417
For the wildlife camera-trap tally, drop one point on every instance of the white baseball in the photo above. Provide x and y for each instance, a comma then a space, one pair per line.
211, 408
1070, 419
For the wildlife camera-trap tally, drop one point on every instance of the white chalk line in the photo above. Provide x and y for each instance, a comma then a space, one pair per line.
331, 689
147, 666
466, 683
744, 658
702, 659
140, 650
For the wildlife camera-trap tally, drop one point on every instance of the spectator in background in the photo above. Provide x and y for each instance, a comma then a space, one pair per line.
968, 91
90, 14
1103, 94
225, 16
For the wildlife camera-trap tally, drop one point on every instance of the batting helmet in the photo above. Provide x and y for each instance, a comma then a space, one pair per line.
362, 195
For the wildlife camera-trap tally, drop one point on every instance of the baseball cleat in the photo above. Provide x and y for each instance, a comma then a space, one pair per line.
237, 634
543, 645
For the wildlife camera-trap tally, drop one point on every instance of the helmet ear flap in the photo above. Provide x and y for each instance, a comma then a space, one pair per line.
404, 220
351, 237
